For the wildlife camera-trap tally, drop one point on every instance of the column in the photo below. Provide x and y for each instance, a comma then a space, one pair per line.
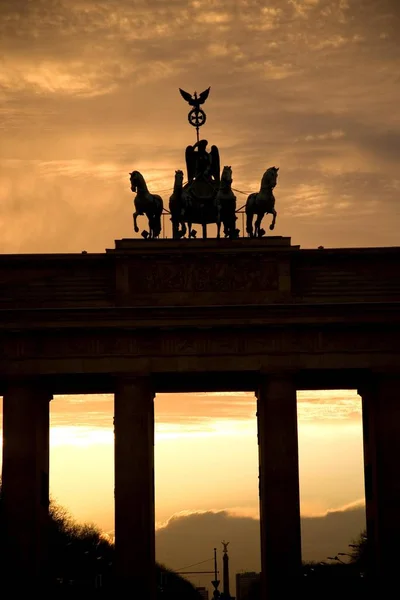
381, 436
25, 484
278, 486
134, 487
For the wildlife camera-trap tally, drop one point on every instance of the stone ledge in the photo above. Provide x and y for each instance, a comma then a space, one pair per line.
128, 245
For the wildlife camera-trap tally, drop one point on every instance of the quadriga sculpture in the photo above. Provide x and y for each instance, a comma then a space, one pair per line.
147, 204
262, 203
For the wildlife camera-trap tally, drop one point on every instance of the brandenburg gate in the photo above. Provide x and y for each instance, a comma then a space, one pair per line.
198, 315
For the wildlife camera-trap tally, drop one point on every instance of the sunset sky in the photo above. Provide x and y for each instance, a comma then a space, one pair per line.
89, 92
206, 454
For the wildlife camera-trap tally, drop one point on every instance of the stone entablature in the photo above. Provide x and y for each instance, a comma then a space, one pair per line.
162, 307
200, 273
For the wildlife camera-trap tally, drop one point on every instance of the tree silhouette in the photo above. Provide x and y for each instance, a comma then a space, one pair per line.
78, 554
359, 552
82, 557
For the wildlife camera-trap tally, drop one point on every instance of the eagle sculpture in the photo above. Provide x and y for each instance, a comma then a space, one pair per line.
195, 100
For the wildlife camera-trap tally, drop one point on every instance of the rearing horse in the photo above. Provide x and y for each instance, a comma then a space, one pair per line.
262, 203
147, 204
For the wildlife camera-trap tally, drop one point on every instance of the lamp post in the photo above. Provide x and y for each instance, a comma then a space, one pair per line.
215, 582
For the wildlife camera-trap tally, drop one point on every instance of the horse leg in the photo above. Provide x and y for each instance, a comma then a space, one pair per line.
154, 222
175, 228
228, 227
159, 227
218, 212
135, 216
218, 223
274, 213
151, 229
222, 217
232, 228
183, 230
257, 225
249, 224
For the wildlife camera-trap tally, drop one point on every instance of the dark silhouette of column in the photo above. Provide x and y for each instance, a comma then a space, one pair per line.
381, 436
278, 485
226, 595
134, 487
25, 485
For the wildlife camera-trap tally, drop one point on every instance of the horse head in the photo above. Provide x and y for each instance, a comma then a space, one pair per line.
226, 176
135, 178
179, 177
270, 177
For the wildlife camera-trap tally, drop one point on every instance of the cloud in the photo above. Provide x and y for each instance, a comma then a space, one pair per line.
204, 412
92, 87
331, 533
207, 412
332, 406
187, 539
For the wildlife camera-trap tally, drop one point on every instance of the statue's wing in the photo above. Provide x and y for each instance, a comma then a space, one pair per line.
190, 160
204, 95
186, 96
215, 163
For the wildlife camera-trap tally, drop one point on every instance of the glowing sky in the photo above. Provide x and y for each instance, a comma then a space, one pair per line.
89, 92
206, 454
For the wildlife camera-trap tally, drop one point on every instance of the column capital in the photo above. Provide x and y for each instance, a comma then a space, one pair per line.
279, 379
280, 373
34, 386
375, 379
141, 383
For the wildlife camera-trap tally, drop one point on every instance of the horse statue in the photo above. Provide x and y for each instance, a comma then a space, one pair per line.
225, 201
262, 203
147, 204
176, 207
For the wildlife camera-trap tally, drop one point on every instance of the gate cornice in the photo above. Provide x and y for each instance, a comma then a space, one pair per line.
345, 313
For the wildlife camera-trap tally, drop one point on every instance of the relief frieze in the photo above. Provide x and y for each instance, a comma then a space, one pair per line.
207, 275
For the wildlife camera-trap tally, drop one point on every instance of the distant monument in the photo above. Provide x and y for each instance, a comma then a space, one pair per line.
207, 196
225, 573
